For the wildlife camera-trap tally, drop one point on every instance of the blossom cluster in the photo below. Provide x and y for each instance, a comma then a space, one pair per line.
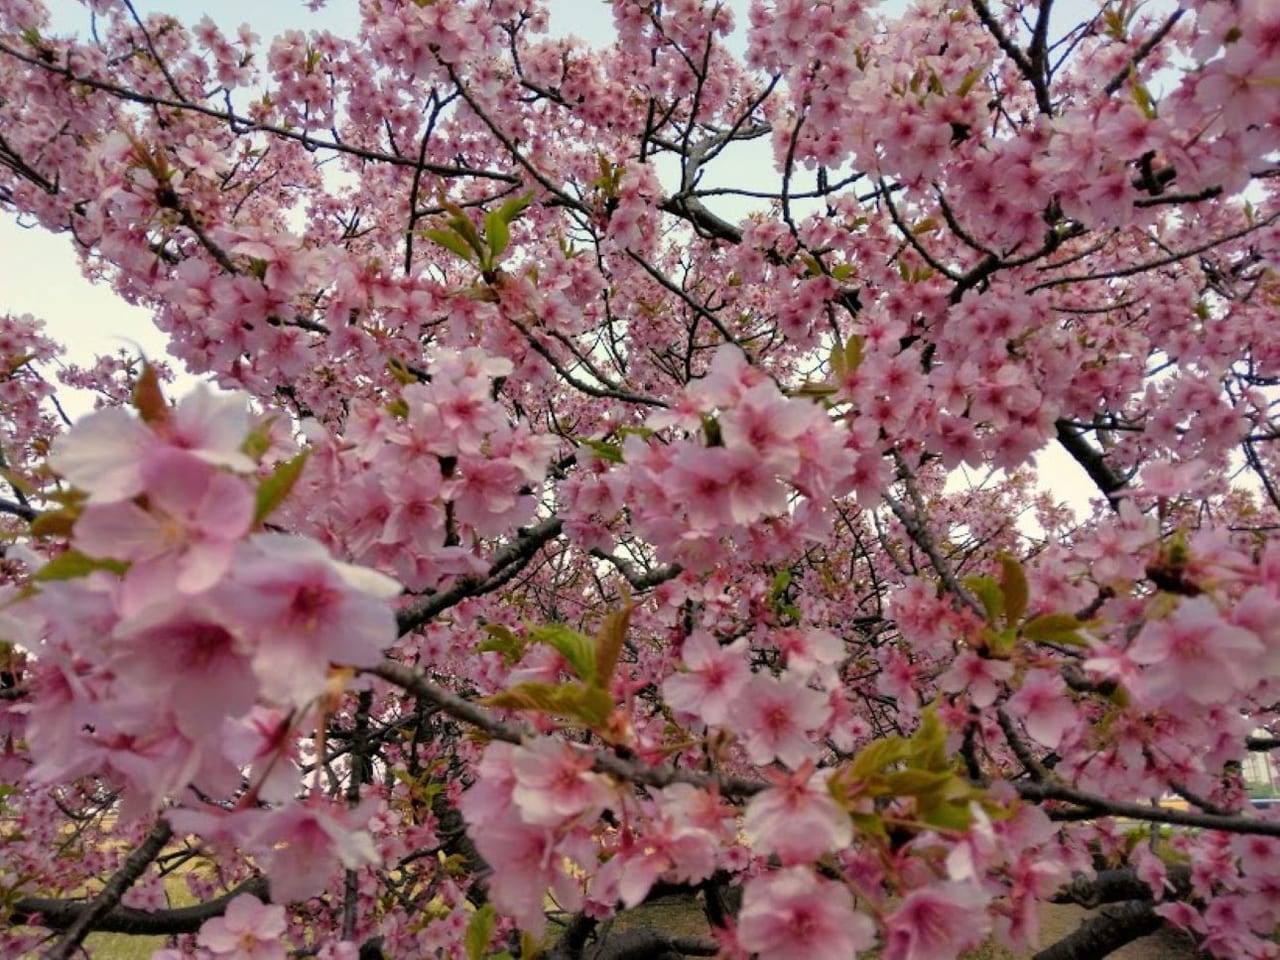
177, 646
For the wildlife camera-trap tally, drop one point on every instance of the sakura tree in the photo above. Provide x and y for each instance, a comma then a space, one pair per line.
579, 508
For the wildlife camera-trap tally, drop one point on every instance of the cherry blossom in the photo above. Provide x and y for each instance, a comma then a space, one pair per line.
792, 909
855, 538
249, 930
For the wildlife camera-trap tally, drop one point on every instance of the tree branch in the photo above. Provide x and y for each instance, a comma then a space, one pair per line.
1109, 931
1101, 806
507, 562
60, 914
89, 916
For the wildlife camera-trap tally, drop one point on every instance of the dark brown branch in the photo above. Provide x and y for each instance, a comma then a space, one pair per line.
1092, 460
1143, 51
92, 912
1109, 931
243, 125
634, 771
1147, 266
1116, 886
640, 579
507, 562
1101, 806
17, 509
1014, 52
60, 914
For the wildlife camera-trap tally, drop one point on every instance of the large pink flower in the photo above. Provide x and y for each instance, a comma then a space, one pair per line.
937, 923
1194, 654
304, 844
184, 540
105, 453
183, 654
554, 783
302, 610
714, 681
793, 913
776, 716
249, 930
798, 820
102, 455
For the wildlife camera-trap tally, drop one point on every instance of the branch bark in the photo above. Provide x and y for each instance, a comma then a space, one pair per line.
1109, 931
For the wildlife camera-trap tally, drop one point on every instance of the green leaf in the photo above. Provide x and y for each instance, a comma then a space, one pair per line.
1000, 643
845, 359
403, 375
480, 931
73, 564
875, 757
17, 363
989, 594
594, 706
589, 705
1054, 628
928, 745
497, 234
610, 639
502, 640
869, 824
970, 78
913, 783
452, 241
512, 209
1142, 97
836, 361
950, 815
462, 225
273, 490
609, 452
575, 647
853, 353
1013, 585
781, 583
257, 443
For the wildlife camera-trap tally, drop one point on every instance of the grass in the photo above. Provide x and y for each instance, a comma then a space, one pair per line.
683, 916
123, 946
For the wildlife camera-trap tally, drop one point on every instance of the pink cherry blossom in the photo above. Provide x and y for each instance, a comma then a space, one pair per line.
304, 844
938, 922
792, 911
798, 819
102, 455
777, 717
249, 930
553, 784
1193, 654
717, 677
301, 610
